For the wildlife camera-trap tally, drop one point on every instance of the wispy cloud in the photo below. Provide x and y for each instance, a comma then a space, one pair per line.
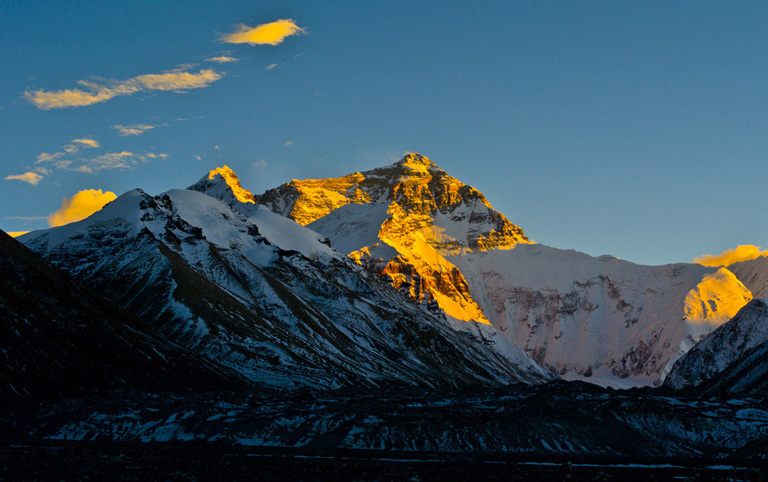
744, 252
271, 66
132, 130
102, 90
88, 143
107, 161
272, 33
29, 177
288, 143
222, 59
26, 218
260, 163
46, 157
80, 206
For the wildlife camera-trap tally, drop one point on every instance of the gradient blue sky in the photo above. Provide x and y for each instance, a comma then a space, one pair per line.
634, 129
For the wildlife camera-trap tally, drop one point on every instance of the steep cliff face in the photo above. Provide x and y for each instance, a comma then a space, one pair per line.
600, 319
441, 243
401, 221
734, 358
60, 338
754, 274
450, 214
267, 297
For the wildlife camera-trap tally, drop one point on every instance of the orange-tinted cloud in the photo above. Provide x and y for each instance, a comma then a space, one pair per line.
744, 252
80, 206
222, 59
134, 130
103, 90
30, 177
271, 33
89, 143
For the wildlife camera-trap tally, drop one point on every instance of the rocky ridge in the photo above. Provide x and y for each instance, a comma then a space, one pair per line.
441, 243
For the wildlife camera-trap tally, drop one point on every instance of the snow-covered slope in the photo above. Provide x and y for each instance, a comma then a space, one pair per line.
741, 341
267, 297
441, 243
60, 338
400, 221
600, 319
754, 274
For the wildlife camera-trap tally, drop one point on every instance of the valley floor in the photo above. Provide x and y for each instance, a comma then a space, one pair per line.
567, 431
174, 461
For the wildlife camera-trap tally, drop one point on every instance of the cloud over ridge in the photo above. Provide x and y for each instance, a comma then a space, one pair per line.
80, 206
743, 252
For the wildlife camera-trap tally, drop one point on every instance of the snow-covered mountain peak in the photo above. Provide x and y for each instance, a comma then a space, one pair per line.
222, 183
732, 344
440, 242
416, 163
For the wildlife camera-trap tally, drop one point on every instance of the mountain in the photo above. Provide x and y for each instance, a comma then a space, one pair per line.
600, 319
60, 338
733, 359
266, 297
754, 274
441, 243
400, 221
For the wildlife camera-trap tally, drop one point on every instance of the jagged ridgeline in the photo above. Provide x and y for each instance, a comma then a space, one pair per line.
441, 243
268, 298
60, 338
397, 275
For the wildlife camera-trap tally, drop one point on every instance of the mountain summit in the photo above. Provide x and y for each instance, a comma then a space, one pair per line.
458, 215
222, 183
442, 244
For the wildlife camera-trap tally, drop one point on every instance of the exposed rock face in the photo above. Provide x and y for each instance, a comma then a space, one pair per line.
441, 243
222, 183
733, 358
421, 191
266, 297
754, 274
411, 214
58, 337
600, 319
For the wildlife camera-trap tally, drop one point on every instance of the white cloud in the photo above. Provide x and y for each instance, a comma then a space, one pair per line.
271, 66
108, 161
260, 163
101, 90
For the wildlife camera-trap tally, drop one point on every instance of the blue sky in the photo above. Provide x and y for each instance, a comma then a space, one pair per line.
634, 129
